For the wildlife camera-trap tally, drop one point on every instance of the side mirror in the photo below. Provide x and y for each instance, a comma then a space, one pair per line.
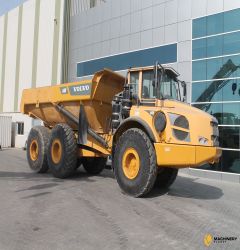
155, 80
184, 90
154, 83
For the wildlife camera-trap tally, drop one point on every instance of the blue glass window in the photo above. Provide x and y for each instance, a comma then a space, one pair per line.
214, 46
207, 91
213, 68
199, 70
199, 48
225, 91
216, 91
199, 27
230, 160
213, 91
231, 43
231, 20
231, 114
231, 66
231, 90
198, 91
230, 137
162, 54
215, 24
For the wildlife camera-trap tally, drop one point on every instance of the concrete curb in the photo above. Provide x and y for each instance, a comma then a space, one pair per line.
215, 175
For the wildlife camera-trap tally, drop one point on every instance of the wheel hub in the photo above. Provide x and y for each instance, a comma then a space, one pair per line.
131, 163
34, 150
56, 151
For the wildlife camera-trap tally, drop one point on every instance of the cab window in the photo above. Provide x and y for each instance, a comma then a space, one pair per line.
148, 90
168, 88
134, 81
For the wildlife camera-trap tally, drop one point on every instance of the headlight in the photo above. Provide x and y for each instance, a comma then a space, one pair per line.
160, 122
181, 135
179, 121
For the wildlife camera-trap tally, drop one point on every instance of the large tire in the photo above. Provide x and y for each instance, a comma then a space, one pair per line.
134, 163
62, 151
94, 166
37, 146
166, 177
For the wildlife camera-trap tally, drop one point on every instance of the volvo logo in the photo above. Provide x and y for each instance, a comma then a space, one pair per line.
81, 89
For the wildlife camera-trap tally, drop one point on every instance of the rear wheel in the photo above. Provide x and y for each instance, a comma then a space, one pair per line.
134, 163
166, 177
62, 152
37, 145
93, 165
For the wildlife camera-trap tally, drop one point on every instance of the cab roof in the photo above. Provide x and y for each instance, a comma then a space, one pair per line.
169, 70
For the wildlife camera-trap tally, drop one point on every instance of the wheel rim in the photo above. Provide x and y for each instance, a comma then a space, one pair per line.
131, 163
56, 151
34, 151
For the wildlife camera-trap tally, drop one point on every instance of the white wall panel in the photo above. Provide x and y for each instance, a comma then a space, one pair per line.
10, 66
26, 54
61, 44
231, 4
1, 47
45, 43
20, 140
5, 131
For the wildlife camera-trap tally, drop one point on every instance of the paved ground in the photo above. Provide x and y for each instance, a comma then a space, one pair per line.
83, 212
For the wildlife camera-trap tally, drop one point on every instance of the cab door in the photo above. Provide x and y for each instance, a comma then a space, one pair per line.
148, 88
134, 79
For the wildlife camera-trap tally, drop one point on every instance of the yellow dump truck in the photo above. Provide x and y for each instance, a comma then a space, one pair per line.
140, 120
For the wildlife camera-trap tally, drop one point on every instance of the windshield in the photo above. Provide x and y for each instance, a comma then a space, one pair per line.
168, 88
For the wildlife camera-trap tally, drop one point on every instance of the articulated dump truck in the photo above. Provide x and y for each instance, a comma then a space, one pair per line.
140, 121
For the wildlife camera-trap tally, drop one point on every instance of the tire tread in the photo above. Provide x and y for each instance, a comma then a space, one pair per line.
153, 169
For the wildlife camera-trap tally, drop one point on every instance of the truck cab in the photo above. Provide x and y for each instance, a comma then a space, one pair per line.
150, 84
183, 136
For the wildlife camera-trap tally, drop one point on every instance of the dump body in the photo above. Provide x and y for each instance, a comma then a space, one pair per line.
96, 95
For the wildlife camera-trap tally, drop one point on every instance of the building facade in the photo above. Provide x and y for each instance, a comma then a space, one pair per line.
215, 78
199, 39
30, 56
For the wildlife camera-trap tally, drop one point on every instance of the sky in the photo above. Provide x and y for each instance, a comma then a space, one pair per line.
6, 5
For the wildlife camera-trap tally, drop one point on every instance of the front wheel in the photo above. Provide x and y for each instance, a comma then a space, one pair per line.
134, 163
166, 177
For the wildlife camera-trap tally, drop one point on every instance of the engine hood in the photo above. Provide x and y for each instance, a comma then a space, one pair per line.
189, 125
